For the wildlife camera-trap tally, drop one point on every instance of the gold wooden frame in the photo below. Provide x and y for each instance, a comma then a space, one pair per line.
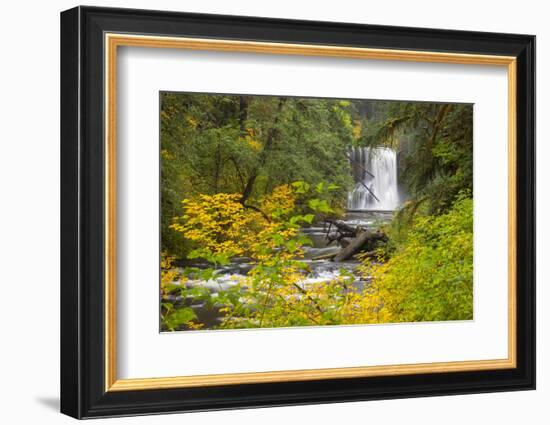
113, 41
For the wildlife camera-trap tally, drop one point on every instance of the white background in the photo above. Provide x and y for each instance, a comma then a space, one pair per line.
29, 224
145, 72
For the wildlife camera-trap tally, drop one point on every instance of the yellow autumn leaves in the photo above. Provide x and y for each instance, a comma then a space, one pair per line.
221, 224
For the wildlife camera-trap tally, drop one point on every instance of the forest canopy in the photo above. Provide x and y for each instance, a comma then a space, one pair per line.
250, 145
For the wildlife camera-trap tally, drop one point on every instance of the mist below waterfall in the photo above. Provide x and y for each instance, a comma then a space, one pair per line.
375, 174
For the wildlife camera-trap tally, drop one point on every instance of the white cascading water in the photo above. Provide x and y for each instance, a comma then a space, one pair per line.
381, 163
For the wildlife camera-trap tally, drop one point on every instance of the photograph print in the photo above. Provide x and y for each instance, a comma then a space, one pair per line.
292, 211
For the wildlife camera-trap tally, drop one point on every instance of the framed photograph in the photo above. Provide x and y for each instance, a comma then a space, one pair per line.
261, 212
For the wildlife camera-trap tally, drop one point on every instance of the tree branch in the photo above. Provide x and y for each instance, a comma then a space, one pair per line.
304, 292
360, 166
252, 207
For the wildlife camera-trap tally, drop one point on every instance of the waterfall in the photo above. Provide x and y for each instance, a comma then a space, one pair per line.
375, 169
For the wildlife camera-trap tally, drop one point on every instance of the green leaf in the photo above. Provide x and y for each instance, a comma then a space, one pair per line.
221, 258
319, 205
207, 274
177, 318
295, 219
278, 239
196, 253
308, 218
300, 187
313, 204
291, 246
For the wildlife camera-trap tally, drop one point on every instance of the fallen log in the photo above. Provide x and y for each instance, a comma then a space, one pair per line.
343, 230
345, 242
326, 256
363, 240
342, 226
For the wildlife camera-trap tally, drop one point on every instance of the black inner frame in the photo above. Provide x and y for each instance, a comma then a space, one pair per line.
82, 212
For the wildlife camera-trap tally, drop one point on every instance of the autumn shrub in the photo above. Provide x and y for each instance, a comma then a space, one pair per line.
430, 275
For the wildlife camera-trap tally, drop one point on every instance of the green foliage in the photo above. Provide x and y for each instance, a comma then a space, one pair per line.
175, 318
429, 277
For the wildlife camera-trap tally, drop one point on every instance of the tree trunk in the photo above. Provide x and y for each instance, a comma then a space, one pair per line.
264, 154
243, 114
